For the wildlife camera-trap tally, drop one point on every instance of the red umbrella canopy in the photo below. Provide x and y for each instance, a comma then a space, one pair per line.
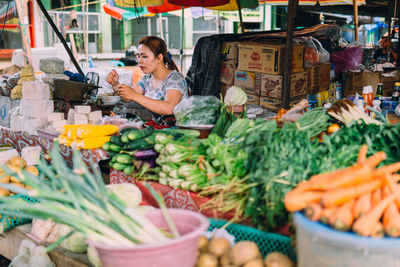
202, 3
165, 7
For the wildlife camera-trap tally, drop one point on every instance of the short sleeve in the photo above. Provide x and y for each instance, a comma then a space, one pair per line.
143, 82
176, 81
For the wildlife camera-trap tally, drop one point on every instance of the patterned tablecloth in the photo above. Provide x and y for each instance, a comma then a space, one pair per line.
19, 140
174, 198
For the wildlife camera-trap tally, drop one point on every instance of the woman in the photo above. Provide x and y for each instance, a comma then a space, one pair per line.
385, 52
162, 87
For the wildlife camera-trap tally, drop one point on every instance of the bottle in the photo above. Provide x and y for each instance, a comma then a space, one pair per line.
396, 92
379, 90
360, 105
367, 98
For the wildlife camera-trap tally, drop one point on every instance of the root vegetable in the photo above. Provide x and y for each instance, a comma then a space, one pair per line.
218, 246
277, 259
225, 259
32, 169
244, 251
254, 263
207, 260
203, 243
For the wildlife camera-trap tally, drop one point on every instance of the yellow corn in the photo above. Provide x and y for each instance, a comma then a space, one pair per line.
64, 140
96, 130
68, 127
91, 142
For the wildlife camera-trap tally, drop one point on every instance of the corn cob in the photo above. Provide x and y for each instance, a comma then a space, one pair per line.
96, 130
91, 142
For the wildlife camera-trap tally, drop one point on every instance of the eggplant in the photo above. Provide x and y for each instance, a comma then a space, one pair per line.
145, 154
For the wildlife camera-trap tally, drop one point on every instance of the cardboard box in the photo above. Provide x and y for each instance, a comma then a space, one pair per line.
269, 85
229, 51
318, 78
388, 79
356, 80
227, 72
245, 80
253, 99
275, 104
268, 58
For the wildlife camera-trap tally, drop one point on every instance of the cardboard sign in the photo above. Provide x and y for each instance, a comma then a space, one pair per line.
269, 85
245, 80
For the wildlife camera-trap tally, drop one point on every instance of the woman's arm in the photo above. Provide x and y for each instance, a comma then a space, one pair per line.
162, 107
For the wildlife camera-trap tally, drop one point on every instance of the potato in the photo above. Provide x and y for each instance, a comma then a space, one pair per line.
207, 260
18, 162
254, 263
32, 169
18, 185
203, 243
14, 179
5, 179
277, 259
218, 246
4, 192
244, 251
225, 258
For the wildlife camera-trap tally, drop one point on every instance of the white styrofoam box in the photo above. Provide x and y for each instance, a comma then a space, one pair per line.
58, 125
30, 125
82, 109
16, 122
35, 90
36, 108
80, 122
95, 115
7, 106
55, 116
70, 116
8, 154
80, 116
31, 154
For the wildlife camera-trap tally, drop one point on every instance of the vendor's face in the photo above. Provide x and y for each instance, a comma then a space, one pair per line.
147, 61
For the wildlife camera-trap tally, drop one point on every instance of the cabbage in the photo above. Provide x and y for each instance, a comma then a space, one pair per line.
142, 210
74, 243
235, 96
128, 193
93, 256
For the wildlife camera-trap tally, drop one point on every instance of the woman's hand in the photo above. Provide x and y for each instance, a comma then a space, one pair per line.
127, 93
112, 78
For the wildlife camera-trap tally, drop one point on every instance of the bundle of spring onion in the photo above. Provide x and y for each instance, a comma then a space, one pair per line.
79, 199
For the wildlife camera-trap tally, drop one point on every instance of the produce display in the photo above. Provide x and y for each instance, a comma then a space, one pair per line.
86, 136
217, 252
361, 198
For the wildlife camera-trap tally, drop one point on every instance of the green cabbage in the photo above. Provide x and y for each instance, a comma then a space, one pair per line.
75, 243
93, 256
128, 193
235, 96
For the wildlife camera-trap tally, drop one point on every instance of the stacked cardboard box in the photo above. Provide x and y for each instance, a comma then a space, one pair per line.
318, 78
229, 54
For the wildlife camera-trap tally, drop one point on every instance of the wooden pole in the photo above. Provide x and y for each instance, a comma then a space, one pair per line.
182, 38
240, 15
355, 20
287, 70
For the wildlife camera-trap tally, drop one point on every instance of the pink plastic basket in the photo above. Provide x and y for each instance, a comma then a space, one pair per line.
179, 252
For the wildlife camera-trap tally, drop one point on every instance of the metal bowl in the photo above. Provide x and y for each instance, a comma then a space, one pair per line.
110, 99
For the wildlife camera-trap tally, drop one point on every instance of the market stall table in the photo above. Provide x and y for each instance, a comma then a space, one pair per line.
11, 240
19, 140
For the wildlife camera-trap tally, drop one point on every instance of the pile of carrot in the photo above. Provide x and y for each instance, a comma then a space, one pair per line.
362, 198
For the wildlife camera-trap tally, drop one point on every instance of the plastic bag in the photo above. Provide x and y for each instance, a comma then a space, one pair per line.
314, 52
197, 110
30, 255
348, 59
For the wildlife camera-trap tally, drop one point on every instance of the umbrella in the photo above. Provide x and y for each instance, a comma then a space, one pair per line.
201, 3
314, 2
137, 3
126, 13
232, 5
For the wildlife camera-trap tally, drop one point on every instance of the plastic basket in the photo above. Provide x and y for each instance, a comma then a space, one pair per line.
10, 222
267, 242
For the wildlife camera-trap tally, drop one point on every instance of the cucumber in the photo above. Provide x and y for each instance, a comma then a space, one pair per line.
110, 163
115, 148
128, 170
140, 144
126, 130
106, 146
119, 166
135, 135
124, 138
116, 139
114, 158
112, 153
124, 158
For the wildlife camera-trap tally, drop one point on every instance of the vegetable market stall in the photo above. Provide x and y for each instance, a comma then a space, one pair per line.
19, 140
11, 240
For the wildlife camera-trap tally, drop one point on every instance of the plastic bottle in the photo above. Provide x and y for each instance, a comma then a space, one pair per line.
368, 95
379, 91
360, 105
376, 106
396, 92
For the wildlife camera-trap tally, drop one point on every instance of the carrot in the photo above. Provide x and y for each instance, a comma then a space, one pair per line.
365, 224
343, 217
378, 230
376, 197
362, 205
391, 183
339, 196
327, 214
391, 168
391, 220
362, 154
326, 177
313, 211
375, 159
295, 200
356, 175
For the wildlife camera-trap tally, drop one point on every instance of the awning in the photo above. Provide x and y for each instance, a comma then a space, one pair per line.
340, 2
314, 2
120, 13
10, 12
232, 5
285, 2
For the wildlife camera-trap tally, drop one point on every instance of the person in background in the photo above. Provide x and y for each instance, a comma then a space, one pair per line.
162, 87
385, 52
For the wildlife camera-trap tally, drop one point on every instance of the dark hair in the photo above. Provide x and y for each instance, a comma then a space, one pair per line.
158, 46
